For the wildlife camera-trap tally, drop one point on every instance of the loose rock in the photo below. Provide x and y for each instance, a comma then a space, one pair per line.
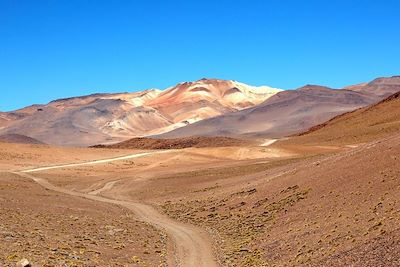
23, 263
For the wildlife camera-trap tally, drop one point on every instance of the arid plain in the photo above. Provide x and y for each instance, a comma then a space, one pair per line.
242, 206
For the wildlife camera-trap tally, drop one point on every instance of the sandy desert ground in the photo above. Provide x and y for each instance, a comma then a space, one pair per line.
272, 204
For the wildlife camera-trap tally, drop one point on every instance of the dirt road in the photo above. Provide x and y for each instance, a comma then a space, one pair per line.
268, 142
99, 161
192, 245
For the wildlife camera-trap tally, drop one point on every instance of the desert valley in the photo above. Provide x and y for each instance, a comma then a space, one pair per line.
204, 173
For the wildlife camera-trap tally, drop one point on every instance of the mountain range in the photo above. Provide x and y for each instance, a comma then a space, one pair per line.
105, 118
207, 107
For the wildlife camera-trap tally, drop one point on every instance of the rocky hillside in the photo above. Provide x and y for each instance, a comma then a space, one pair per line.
102, 118
291, 111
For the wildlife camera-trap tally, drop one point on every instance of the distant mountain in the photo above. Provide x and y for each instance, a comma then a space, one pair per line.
207, 107
107, 118
291, 112
7, 118
190, 102
382, 87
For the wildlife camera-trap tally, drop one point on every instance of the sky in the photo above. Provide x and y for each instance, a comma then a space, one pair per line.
55, 49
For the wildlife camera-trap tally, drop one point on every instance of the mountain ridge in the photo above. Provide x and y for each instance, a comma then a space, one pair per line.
106, 118
291, 111
206, 107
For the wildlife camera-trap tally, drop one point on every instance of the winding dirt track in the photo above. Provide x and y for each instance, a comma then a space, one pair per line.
192, 245
268, 142
99, 161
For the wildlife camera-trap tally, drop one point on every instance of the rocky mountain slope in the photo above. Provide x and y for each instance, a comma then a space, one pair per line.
291, 111
104, 118
207, 107
382, 87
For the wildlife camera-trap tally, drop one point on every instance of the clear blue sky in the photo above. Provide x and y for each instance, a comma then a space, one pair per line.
53, 49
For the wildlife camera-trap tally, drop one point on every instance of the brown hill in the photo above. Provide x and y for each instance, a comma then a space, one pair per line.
382, 87
6, 118
18, 138
176, 143
362, 125
283, 114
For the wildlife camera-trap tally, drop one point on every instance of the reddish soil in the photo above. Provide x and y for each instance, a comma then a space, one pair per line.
326, 209
177, 143
304, 210
53, 229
